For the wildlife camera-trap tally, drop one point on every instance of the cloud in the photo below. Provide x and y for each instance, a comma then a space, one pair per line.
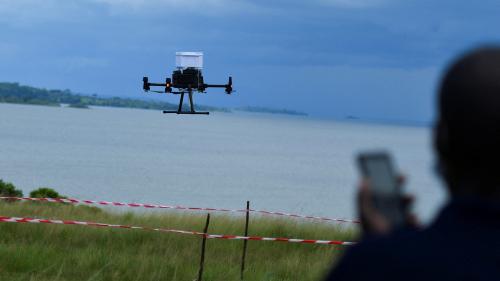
78, 63
353, 3
176, 3
27, 13
30, 12
179, 6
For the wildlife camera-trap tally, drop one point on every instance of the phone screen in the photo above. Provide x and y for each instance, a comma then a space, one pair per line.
381, 174
377, 167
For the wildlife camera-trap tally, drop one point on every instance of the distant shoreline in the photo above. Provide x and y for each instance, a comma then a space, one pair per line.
19, 94
15, 93
271, 110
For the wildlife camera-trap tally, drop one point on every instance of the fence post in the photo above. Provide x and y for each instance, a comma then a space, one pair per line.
245, 241
202, 261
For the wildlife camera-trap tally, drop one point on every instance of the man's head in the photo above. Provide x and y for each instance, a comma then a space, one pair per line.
467, 136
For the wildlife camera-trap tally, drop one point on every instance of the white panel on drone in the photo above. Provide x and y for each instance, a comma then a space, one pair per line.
189, 59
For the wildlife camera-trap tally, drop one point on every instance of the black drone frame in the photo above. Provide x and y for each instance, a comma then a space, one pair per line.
185, 89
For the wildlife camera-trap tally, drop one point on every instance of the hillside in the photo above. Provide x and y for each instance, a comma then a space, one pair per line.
70, 252
15, 93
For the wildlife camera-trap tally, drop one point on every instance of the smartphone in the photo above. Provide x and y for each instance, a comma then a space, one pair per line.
378, 168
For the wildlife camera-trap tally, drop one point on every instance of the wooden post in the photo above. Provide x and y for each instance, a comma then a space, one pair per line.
245, 241
204, 241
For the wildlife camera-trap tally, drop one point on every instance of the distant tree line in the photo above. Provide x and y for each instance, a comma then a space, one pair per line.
15, 93
271, 110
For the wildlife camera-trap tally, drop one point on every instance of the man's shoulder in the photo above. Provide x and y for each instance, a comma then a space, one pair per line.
391, 257
444, 252
394, 246
461, 244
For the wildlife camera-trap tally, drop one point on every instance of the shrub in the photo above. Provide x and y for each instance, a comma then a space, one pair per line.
8, 189
45, 192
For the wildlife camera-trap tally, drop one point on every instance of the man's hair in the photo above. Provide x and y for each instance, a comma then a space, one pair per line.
467, 136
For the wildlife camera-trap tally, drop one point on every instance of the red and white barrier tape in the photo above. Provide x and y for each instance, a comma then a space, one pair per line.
153, 206
209, 236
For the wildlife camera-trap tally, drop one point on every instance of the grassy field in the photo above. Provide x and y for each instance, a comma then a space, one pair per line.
69, 252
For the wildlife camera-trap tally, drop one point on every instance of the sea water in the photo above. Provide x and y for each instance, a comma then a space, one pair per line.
285, 163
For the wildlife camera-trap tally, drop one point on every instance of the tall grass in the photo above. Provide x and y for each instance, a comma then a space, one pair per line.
68, 252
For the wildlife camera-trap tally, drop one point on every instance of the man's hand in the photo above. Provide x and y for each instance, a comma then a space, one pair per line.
372, 220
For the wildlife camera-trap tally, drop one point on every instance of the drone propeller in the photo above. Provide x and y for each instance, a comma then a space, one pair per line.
145, 85
229, 86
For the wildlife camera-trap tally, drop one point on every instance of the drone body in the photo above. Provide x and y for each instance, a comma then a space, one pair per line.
187, 78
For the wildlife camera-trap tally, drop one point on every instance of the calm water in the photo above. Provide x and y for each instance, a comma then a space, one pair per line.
277, 162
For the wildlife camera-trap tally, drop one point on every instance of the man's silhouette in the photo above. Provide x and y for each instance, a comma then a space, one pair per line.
463, 243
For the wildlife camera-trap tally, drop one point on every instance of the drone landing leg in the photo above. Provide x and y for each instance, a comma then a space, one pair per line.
179, 110
191, 104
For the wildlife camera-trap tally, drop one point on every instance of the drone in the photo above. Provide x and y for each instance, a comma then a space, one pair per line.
187, 79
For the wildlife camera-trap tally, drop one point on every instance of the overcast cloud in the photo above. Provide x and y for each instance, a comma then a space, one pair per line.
378, 59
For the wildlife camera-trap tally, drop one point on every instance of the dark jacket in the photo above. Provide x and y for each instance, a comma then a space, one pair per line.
462, 244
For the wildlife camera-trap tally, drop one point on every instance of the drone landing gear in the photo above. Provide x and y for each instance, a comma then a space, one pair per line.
191, 105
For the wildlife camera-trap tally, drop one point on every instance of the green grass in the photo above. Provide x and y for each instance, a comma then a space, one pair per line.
68, 252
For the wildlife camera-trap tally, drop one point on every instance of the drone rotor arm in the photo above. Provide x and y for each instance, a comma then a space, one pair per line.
147, 85
228, 86
214, 85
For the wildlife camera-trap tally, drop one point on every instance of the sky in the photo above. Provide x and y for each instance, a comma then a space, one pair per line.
373, 59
